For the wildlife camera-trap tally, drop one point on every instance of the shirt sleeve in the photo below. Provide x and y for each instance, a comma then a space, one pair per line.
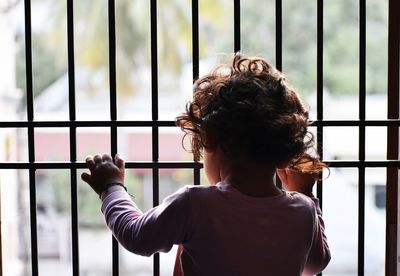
319, 255
154, 231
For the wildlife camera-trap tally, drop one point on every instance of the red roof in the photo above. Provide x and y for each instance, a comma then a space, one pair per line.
54, 146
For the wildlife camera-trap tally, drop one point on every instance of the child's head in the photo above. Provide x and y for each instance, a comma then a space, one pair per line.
249, 111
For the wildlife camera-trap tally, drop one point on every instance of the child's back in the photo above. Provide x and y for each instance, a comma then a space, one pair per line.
224, 232
248, 124
235, 234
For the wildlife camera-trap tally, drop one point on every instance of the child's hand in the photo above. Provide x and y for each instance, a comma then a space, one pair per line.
294, 180
103, 171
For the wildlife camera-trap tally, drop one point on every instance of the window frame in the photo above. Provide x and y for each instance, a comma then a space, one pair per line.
392, 123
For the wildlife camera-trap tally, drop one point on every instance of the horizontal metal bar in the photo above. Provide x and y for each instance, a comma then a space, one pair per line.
185, 164
82, 165
155, 123
21, 124
358, 163
355, 123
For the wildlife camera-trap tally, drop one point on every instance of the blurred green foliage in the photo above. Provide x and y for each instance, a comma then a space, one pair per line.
216, 35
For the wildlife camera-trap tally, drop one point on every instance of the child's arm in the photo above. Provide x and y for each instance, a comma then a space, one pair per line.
319, 255
144, 234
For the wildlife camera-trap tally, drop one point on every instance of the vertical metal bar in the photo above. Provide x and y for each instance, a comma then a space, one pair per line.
361, 136
320, 85
278, 34
74, 218
71, 62
236, 25
112, 75
156, 257
393, 138
113, 109
154, 65
154, 115
112, 59
278, 53
28, 64
72, 137
195, 39
31, 141
195, 58
33, 217
361, 218
154, 68
320, 90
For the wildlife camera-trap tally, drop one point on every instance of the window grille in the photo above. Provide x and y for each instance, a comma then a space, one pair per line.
392, 124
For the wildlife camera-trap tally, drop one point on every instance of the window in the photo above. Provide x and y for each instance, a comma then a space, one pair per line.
110, 76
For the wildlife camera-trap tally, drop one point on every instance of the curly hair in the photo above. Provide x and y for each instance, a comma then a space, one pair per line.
248, 109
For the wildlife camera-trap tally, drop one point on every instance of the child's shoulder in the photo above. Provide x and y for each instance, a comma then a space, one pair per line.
195, 197
299, 199
191, 193
199, 190
202, 193
223, 192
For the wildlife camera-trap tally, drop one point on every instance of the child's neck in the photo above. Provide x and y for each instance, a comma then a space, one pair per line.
251, 179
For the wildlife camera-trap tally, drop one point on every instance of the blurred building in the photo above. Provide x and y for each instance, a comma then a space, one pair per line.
9, 99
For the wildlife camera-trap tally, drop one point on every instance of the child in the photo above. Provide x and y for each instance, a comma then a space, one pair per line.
248, 124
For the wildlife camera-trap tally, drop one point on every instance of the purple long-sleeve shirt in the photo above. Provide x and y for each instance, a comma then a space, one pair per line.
225, 232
